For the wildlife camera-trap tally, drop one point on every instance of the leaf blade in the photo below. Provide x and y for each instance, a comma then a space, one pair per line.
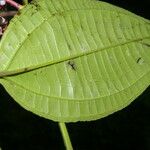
83, 63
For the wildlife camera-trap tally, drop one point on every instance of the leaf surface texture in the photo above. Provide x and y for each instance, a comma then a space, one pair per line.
75, 60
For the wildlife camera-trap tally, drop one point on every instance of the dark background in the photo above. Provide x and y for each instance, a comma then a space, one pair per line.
127, 129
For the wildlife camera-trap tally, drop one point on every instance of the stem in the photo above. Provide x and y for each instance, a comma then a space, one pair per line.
65, 136
8, 13
14, 4
25, 2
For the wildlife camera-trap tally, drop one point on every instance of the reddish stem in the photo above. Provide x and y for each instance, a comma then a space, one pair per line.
14, 4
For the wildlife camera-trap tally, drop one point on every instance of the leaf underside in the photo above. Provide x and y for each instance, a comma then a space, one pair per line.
75, 60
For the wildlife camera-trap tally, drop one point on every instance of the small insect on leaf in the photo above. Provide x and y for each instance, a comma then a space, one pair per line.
72, 64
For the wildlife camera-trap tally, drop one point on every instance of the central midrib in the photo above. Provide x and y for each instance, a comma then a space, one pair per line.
24, 70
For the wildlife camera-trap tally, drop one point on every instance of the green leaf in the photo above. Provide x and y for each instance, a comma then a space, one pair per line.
75, 60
